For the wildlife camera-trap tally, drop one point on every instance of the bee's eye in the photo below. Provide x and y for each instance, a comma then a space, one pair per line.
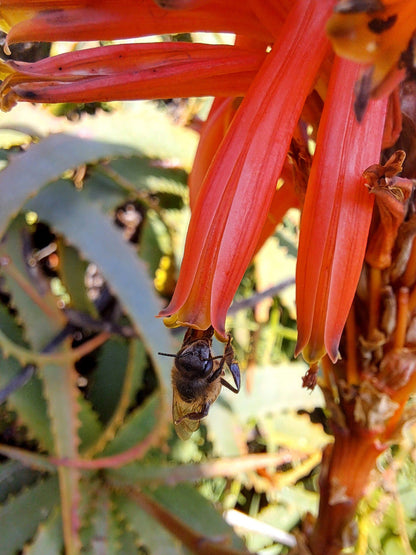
208, 365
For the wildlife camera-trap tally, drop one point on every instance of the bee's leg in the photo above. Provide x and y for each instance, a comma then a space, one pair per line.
217, 373
235, 372
233, 366
229, 352
198, 415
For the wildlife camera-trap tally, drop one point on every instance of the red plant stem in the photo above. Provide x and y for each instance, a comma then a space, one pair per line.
346, 466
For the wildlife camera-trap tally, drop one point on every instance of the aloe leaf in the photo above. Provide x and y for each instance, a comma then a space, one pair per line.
154, 242
141, 172
104, 192
28, 458
48, 539
87, 228
72, 273
148, 128
44, 162
107, 380
137, 426
105, 529
125, 394
36, 306
13, 477
187, 504
28, 402
62, 396
42, 320
22, 514
152, 534
128, 543
90, 426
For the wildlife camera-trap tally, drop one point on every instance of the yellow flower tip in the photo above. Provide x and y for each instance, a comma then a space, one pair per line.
171, 321
312, 354
222, 337
6, 48
174, 321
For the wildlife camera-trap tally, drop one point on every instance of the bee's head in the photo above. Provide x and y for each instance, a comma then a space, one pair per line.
195, 360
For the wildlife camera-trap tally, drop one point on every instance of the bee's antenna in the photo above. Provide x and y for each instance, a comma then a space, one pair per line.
166, 354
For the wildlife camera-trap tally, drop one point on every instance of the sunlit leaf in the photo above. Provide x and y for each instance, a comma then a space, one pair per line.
44, 162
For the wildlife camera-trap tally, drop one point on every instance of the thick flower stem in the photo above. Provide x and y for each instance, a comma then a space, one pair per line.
346, 466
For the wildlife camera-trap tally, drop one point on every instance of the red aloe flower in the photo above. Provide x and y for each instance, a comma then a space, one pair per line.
212, 133
244, 148
232, 205
131, 71
84, 20
336, 216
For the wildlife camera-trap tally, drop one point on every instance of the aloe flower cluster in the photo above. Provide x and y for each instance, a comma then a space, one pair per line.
300, 72
272, 88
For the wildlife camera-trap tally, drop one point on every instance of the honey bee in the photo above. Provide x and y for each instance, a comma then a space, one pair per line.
197, 378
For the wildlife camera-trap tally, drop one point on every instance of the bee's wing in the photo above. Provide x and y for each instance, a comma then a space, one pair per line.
183, 426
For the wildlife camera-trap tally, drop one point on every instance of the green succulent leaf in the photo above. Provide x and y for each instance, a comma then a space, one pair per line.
187, 504
136, 427
72, 274
107, 379
42, 163
106, 529
14, 477
68, 212
30, 295
28, 402
151, 533
22, 514
48, 539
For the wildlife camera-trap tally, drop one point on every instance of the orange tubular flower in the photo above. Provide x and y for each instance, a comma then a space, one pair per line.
336, 216
244, 148
131, 71
84, 20
232, 205
213, 131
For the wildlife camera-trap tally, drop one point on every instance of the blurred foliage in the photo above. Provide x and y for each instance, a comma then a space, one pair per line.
93, 219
